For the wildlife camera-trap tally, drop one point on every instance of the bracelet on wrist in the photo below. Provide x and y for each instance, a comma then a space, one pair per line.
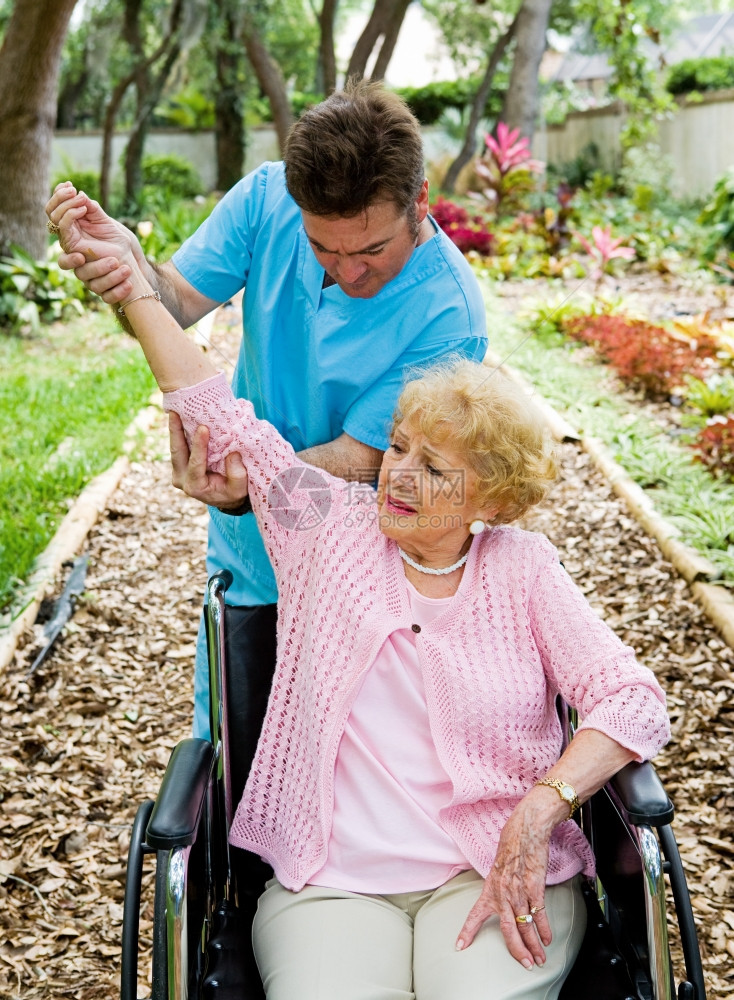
147, 295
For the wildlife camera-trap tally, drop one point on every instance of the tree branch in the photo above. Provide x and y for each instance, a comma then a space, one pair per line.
469, 148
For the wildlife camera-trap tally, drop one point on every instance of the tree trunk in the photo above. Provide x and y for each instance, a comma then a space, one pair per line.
377, 25
108, 132
270, 79
133, 156
390, 38
469, 148
229, 120
149, 88
326, 74
66, 116
521, 102
149, 85
30, 60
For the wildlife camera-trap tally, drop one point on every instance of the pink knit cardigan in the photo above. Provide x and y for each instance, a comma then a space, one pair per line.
517, 633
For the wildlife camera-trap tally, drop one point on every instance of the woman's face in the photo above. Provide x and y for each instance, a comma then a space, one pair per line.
424, 494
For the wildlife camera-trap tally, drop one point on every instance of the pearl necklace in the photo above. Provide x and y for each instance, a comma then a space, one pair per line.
427, 569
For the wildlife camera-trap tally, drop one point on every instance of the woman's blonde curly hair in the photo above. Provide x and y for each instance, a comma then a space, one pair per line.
489, 419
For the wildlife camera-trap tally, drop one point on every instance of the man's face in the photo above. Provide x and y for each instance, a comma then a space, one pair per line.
363, 253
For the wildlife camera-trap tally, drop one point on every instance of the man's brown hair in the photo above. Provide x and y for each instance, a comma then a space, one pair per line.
360, 146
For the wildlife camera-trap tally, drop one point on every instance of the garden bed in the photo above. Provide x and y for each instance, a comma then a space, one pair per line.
647, 437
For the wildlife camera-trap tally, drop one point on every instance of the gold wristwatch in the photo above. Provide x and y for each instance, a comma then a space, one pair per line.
566, 791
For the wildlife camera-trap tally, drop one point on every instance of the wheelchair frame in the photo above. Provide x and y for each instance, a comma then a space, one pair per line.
202, 921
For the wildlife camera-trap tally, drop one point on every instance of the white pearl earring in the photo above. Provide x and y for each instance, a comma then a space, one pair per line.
477, 527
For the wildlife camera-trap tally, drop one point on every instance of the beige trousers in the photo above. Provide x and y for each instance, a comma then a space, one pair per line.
327, 944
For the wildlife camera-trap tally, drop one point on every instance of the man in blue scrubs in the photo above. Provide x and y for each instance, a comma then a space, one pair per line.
347, 283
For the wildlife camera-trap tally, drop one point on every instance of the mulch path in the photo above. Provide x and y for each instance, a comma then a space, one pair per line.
87, 737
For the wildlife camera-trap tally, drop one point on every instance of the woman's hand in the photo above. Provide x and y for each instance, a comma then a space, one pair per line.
516, 883
96, 247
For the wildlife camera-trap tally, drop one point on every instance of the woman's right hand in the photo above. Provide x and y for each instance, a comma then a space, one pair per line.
515, 884
95, 246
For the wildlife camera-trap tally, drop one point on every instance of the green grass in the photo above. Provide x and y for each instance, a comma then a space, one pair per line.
680, 488
67, 396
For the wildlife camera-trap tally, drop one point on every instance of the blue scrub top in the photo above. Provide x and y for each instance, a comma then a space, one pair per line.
313, 361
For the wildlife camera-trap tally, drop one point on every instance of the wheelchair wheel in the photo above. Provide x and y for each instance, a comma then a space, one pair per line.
180, 922
160, 937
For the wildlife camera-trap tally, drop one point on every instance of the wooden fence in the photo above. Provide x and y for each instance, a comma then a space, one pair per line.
698, 138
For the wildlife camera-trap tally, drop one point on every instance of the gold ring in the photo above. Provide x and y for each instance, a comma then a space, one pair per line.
524, 918
536, 909
52, 227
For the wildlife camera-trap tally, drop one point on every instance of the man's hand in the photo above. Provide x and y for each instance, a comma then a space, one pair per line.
94, 245
190, 472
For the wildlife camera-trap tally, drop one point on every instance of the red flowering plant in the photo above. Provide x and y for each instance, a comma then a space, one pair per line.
468, 232
715, 445
506, 169
645, 356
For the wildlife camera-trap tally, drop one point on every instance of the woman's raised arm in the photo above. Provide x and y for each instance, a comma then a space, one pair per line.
174, 359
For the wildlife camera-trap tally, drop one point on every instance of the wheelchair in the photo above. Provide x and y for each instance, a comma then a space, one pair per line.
206, 891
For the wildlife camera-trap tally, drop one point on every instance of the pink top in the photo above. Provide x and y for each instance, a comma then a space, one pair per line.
517, 633
389, 784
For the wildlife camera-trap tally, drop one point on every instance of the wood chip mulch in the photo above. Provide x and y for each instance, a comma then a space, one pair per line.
85, 739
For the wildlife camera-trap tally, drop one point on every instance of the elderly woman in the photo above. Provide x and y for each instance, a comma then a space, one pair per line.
409, 787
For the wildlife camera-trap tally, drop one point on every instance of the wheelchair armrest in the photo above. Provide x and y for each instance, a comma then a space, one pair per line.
177, 810
641, 795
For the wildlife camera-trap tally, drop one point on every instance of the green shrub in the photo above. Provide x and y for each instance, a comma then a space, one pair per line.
33, 292
647, 176
710, 397
579, 171
559, 99
548, 319
167, 226
257, 111
189, 109
83, 180
718, 215
301, 102
430, 102
171, 176
600, 185
706, 73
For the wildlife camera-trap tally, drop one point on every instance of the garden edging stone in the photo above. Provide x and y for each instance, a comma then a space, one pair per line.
696, 569
73, 530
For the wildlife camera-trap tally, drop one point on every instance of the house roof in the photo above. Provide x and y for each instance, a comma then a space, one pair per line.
704, 35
